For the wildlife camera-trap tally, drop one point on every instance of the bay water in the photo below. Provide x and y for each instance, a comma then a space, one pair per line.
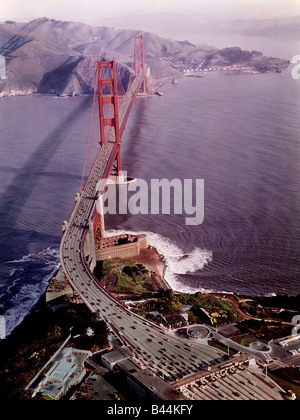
240, 134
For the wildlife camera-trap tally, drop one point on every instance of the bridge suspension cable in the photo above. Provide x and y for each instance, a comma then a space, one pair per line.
89, 136
115, 104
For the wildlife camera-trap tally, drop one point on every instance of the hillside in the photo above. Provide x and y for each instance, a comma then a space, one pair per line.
55, 57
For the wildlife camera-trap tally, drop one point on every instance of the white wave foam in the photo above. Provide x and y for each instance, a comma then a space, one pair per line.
178, 262
23, 302
40, 268
271, 294
25, 258
49, 253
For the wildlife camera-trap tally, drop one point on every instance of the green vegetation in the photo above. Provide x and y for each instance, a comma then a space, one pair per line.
285, 301
247, 339
197, 316
251, 308
220, 310
288, 379
220, 346
263, 331
281, 308
176, 321
126, 276
166, 302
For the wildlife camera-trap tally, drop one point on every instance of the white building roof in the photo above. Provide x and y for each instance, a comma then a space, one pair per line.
64, 372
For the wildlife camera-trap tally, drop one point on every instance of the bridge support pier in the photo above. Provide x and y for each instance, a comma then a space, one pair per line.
121, 179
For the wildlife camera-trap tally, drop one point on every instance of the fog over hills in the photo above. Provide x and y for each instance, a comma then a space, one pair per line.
194, 26
60, 57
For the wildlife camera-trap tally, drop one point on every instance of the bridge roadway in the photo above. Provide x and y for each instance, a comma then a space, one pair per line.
164, 348
169, 356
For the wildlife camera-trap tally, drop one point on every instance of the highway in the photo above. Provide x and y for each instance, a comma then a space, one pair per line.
171, 357
154, 347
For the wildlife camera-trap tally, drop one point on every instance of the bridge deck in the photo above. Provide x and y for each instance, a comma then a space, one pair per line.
83, 209
167, 354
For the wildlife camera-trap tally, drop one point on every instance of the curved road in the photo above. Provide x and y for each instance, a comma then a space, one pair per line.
151, 344
169, 356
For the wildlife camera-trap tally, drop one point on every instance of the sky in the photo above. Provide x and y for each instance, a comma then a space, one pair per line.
88, 11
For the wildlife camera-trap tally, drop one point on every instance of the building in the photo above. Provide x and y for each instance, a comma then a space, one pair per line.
129, 366
68, 371
111, 359
148, 386
59, 287
289, 340
96, 387
120, 246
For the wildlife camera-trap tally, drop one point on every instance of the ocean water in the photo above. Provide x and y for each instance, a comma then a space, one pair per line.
238, 133
241, 135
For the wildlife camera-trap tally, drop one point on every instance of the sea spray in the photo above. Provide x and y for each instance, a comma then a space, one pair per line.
29, 280
178, 262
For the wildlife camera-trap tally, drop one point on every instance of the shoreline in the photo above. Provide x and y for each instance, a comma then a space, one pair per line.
153, 84
41, 302
234, 318
156, 263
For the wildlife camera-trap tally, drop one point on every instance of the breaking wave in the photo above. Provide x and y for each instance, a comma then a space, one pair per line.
29, 279
30, 275
177, 261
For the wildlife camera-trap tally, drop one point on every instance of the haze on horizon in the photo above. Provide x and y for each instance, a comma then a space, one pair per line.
93, 11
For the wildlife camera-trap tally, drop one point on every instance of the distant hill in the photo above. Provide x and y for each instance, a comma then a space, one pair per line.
287, 27
60, 57
198, 24
57, 57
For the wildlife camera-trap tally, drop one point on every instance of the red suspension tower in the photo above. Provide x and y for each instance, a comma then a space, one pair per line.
107, 78
139, 59
108, 96
111, 99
